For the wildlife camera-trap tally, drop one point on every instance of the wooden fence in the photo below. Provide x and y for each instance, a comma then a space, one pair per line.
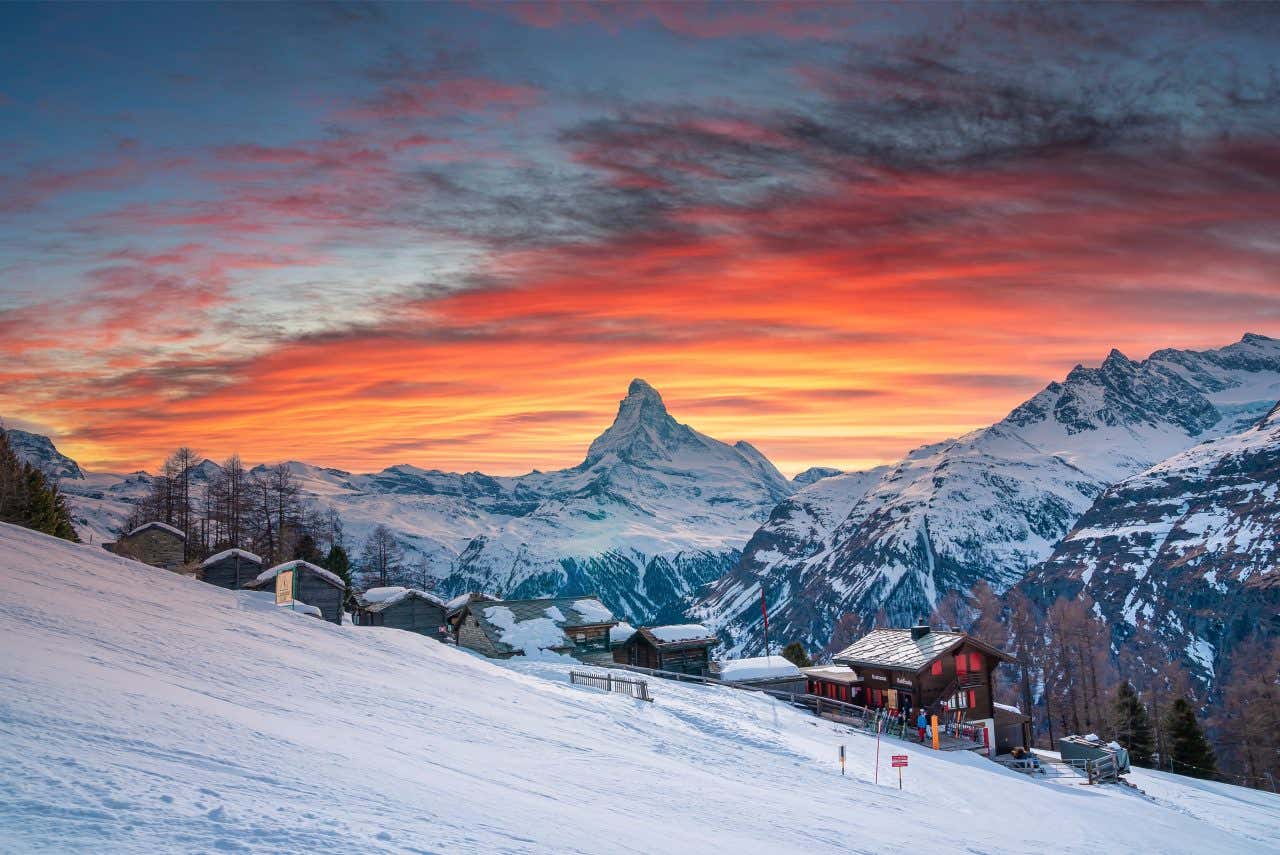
637, 689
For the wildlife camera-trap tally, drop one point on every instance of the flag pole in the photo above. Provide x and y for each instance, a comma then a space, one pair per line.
764, 610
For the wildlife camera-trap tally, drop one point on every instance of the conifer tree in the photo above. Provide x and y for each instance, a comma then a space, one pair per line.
794, 653
1132, 725
339, 563
1189, 751
28, 499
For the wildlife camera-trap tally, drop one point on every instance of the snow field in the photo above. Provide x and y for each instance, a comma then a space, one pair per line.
144, 712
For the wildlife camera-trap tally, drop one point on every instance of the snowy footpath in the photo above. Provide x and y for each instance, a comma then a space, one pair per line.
144, 712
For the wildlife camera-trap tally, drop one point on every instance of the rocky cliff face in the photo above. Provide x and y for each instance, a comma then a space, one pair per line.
1182, 560
40, 452
989, 505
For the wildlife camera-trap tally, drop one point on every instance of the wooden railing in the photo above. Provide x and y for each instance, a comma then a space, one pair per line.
637, 689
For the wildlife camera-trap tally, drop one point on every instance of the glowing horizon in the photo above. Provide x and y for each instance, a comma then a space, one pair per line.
450, 235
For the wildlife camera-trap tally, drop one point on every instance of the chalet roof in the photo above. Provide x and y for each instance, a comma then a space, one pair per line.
381, 599
896, 650
165, 526
833, 673
228, 553
456, 604
297, 564
620, 633
516, 625
678, 635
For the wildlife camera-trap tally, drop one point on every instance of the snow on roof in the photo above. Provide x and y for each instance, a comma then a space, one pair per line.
378, 595
527, 636
380, 599
679, 632
896, 649
469, 597
179, 532
835, 673
227, 553
757, 668
593, 611
620, 633
272, 572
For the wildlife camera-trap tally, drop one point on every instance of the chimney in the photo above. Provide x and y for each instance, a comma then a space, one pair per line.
920, 630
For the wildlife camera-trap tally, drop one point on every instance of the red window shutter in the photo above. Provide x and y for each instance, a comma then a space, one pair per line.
975, 661
936, 670
960, 664
973, 698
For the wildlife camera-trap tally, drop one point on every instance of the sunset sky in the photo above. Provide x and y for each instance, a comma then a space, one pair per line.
450, 235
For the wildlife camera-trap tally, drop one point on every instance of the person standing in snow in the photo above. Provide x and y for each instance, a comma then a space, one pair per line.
922, 724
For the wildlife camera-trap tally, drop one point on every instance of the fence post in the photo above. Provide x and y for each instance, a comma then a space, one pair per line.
610, 676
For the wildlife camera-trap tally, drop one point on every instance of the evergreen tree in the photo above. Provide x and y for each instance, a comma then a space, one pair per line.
1132, 725
1189, 751
306, 548
794, 653
338, 562
28, 499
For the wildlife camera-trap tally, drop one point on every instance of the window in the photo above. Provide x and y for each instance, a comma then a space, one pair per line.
936, 670
960, 700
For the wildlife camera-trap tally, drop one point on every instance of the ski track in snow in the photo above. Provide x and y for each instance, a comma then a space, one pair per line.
144, 712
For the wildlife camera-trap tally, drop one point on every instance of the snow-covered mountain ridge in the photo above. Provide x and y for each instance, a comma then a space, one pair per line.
985, 506
146, 712
1182, 560
654, 511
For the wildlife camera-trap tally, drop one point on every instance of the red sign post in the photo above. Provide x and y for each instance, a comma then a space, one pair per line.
899, 763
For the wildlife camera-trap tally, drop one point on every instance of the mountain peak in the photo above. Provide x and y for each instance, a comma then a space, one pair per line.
642, 391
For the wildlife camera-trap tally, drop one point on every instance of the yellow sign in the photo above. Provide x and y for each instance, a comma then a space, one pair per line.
284, 587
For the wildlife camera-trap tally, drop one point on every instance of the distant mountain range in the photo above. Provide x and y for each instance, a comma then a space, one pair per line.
989, 505
1150, 485
655, 511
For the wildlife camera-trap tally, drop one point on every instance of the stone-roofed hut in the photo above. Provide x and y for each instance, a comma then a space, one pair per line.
575, 626
155, 543
403, 608
231, 568
312, 585
682, 648
944, 672
774, 673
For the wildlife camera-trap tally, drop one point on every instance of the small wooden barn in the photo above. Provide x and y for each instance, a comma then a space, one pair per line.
455, 607
155, 543
1013, 728
574, 626
231, 568
312, 585
403, 608
682, 648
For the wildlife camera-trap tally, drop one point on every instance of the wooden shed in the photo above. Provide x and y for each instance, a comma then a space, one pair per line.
403, 608
155, 543
574, 626
231, 568
1013, 728
682, 648
312, 585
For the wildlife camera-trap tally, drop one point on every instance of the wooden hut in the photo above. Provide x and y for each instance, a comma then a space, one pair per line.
947, 673
455, 607
837, 682
312, 585
682, 648
1013, 728
403, 608
155, 543
231, 568
574, 626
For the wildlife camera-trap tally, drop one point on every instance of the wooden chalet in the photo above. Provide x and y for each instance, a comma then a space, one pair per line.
575, 626
155, 543
403, 608
312, 585
1013, 728
682, 648
231, 568
906, 669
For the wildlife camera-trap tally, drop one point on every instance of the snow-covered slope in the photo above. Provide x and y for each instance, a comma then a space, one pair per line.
655, 511
1183, 559
146, 712
993, 503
